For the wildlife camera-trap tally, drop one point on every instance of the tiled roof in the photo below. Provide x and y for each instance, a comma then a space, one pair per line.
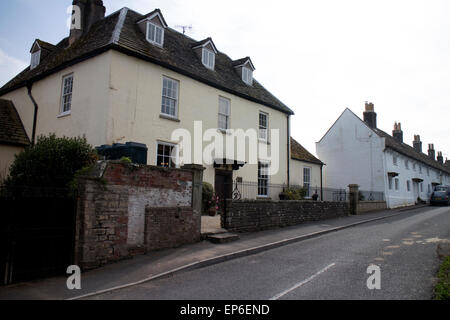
409, 151
298, 152
119, 31
46, 46
11, 127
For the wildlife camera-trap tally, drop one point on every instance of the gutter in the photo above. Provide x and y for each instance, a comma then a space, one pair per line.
36, 109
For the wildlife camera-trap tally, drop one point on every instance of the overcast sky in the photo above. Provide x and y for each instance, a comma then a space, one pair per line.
317, 56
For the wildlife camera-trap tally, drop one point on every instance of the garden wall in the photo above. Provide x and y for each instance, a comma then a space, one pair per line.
126, 209
256, 215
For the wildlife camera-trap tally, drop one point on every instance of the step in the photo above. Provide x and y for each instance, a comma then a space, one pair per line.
222, 238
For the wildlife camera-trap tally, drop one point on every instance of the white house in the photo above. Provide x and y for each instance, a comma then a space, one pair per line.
357, 152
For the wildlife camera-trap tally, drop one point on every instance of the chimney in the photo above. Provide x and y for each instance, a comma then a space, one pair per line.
440, 158
431, 152
370, 117
84, 14
417, 144
398, 133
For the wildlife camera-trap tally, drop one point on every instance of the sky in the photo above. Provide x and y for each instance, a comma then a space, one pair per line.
318, 57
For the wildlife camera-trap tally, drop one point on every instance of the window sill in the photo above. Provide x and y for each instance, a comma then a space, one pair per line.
65, 114
166, 117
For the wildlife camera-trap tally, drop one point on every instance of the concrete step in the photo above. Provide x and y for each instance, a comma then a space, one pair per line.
222, 238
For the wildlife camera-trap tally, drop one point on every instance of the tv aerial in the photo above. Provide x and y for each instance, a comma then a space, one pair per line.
184, 27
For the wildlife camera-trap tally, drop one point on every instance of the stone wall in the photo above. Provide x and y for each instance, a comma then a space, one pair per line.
126, 209
256, 215
371, 206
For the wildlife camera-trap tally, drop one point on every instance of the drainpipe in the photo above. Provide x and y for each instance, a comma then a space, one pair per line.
36, 108
288, 150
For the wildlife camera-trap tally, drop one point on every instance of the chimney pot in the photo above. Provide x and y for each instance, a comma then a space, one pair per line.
440, 158
370, 116
431, 151
417, 144
398, 133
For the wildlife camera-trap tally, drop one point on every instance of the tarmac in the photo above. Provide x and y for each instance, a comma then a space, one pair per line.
165, 263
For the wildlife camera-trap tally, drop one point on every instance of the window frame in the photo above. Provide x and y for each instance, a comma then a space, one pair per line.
228, 116
154, 41
208, 54
247, 75
397, 184
260, 127
62, 111
266, 178
35, 59
408, 186
171, 158
307, 185
175, 115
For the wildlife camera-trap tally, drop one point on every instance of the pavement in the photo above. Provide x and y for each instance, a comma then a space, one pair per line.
167, 263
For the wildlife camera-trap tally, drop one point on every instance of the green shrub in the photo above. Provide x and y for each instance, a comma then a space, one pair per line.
295, 193
51, 163
442, 289
207, 194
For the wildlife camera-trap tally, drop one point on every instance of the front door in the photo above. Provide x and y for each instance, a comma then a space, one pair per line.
224, 186
416, 191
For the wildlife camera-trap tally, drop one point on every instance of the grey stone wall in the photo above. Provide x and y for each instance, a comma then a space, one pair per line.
371, 206
256, 215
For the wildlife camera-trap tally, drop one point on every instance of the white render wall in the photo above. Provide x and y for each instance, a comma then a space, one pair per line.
353, 154
403, 197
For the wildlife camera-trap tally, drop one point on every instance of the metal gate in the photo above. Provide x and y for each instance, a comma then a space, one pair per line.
36, 236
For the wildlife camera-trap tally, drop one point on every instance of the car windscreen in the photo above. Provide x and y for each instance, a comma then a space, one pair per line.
440, 193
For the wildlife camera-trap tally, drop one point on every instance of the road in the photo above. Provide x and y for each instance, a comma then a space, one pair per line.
332, 266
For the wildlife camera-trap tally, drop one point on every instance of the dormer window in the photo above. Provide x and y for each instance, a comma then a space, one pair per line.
208, 59
35, 59
153, 26
155, 34
247, 76
206, 51
244, 67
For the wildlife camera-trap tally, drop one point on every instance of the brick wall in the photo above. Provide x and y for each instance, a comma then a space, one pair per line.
256, 215
127, 209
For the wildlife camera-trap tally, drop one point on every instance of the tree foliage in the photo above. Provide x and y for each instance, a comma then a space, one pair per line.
50, 163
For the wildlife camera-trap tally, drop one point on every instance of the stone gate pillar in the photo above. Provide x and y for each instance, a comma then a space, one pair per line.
353, 198
197, 186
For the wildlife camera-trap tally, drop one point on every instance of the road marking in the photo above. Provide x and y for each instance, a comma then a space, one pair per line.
408, 243
386, 240
393, 247
298, 285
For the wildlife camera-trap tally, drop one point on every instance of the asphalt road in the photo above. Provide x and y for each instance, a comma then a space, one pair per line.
332, 266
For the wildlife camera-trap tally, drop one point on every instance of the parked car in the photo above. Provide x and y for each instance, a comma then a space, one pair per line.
440, 196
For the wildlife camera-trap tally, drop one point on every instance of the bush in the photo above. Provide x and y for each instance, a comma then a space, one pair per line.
51, 163
442, 289
295, 193
207, 194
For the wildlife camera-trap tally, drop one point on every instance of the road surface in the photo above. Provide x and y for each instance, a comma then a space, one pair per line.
332, 266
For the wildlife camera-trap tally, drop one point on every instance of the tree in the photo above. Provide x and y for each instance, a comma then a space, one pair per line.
50, 164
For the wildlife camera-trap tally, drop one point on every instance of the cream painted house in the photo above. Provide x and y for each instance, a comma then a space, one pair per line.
13, 138
306, 170
129, 77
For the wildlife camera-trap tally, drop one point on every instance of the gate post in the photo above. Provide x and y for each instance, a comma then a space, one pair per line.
197, 186
353, 198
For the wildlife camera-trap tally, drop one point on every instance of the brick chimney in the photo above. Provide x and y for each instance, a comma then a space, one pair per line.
440, 158
417, 144
431, 152
397, 133
84, 15
370, 117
